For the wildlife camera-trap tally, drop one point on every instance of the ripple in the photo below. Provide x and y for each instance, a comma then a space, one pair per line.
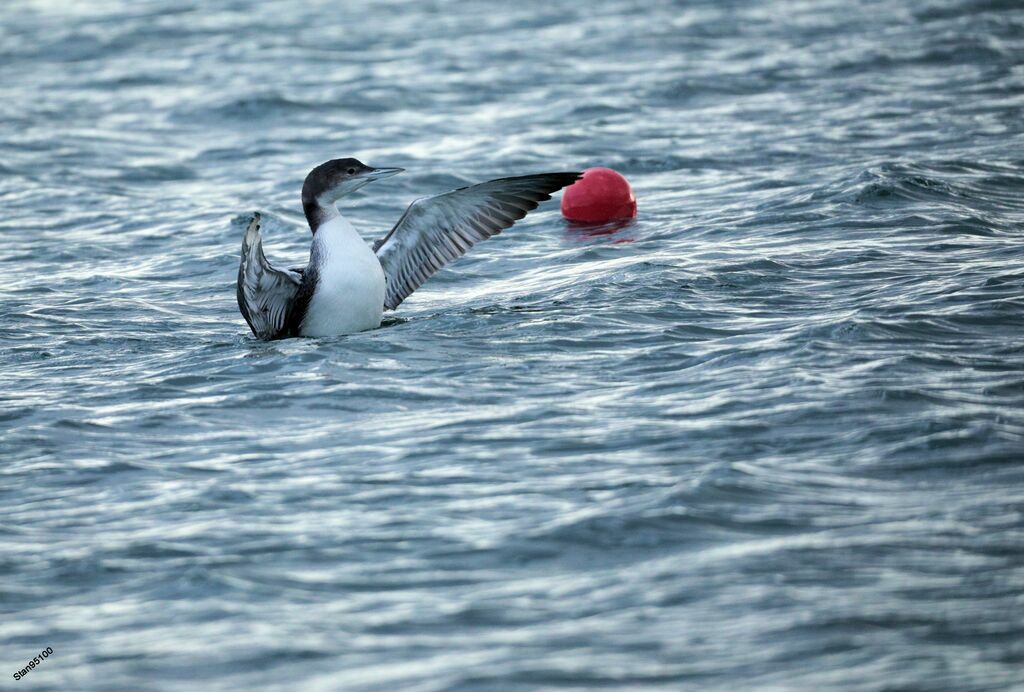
765, 435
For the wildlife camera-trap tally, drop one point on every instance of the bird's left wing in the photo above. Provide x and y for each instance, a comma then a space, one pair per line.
436, 230
265, 294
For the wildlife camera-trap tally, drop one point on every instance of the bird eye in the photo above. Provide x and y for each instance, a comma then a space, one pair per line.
351, 171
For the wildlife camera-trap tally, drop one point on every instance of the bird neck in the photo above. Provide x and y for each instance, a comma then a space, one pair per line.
335, 245
318, 212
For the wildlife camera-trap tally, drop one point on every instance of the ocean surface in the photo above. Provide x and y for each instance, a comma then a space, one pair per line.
768, 436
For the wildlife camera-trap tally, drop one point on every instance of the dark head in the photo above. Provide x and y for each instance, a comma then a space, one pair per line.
330, 181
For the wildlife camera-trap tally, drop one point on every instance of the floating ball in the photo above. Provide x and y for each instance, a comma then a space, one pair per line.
601, 195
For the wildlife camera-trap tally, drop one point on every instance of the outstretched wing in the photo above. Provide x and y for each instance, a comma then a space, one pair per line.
436, 230
265, 294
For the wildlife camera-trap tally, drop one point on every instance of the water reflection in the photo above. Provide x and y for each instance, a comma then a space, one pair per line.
581, 231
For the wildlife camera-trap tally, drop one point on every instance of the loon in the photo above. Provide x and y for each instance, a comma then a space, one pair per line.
347, 284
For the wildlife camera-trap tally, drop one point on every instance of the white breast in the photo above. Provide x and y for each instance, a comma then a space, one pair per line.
349, 295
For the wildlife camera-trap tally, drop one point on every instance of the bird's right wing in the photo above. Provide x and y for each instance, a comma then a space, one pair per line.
436, 230
265, 294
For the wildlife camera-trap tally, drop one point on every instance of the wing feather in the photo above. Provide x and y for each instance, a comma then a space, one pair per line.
434, 231
265, 294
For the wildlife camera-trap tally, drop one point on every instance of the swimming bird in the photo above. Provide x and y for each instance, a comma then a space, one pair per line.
347, 284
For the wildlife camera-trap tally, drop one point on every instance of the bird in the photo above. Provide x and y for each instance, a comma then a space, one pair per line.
348, 284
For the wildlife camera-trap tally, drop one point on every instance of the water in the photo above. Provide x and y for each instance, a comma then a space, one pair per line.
770, 435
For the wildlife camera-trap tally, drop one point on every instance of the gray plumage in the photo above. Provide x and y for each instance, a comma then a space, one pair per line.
265, 294
436, 230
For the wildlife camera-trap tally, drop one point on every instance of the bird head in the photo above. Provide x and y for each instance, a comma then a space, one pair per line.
332, 180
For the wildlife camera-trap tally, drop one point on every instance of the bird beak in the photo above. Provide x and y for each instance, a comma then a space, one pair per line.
379, 173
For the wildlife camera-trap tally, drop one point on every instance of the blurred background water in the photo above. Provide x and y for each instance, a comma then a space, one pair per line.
770, 435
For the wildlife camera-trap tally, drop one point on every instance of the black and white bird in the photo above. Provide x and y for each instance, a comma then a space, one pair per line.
347, 284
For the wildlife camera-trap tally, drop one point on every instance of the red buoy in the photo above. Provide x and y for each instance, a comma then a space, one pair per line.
600, 195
